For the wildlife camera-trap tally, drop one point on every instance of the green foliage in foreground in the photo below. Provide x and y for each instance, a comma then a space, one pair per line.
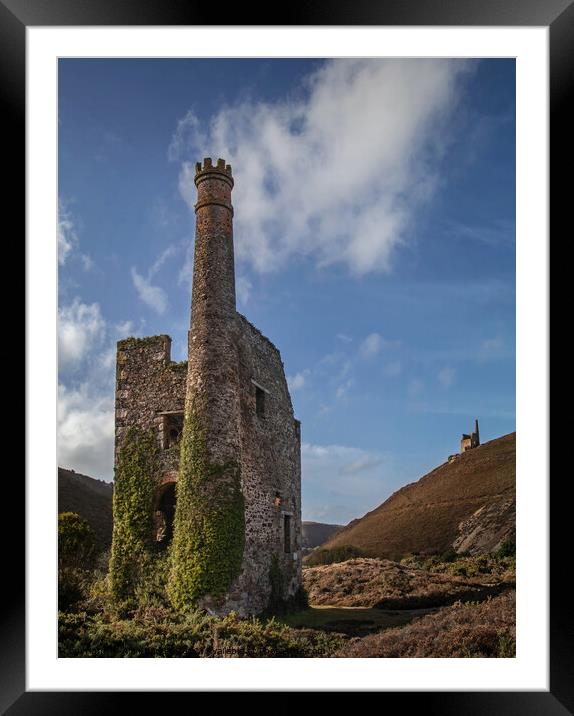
195, 634
77, 552
133, 512
332, 555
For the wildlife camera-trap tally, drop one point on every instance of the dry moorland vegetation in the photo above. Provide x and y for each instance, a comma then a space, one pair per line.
461, 630
382, 584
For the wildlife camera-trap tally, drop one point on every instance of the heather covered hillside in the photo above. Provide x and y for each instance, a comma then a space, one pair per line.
460, 631
315, 533
89, 498
434, 514
382, 584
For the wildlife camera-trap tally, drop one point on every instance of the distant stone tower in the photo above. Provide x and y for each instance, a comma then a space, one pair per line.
467, 442
228, 486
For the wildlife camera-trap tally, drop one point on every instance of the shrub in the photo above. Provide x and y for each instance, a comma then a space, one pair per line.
487, 629
76, 542
194, 634
449, 556
77, 553
506, 549
332, 555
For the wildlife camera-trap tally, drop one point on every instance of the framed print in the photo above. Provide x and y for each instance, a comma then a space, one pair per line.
281, 122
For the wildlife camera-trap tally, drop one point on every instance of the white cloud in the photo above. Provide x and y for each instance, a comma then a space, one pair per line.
336, 175
243, 287
87, 262
499, 233
187, 133
362, 463
393, 368
492, 348
371, 346
297, 381
446, 376
80, 328
341, 482
164, 256
415, 387
86, 431
153, 296
67, 236
344, 338
124, 328
344, 388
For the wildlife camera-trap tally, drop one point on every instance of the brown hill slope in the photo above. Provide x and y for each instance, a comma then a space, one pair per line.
89, 498
424, 517
315, 533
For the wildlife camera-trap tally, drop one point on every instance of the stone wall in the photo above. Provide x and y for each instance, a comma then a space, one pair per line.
148, 383
270, 468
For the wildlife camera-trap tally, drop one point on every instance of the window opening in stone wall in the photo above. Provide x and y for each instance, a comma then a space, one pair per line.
172, 430
287, 533
259, 402
165, 514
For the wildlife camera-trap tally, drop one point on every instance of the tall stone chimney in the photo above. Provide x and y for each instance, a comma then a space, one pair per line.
209, 525
212, 367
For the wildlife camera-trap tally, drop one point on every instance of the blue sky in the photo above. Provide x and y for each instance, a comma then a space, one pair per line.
375, 245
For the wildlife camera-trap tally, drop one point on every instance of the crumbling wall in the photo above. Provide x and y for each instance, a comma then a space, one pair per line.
148, 383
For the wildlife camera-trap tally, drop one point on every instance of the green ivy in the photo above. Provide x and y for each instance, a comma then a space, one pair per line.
133, 512
176, 366
209, 523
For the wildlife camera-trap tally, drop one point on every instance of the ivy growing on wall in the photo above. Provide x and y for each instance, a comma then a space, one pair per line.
133, 511
209, 524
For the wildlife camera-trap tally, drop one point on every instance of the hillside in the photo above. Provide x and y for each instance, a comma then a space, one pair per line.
467, 502
382, 584
315, 533
91, 499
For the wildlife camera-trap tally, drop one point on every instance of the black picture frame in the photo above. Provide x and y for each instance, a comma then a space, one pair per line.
15, 16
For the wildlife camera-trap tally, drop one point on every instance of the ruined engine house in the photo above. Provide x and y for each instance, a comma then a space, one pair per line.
234, 385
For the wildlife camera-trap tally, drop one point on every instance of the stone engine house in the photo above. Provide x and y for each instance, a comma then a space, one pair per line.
468, 442
248, 417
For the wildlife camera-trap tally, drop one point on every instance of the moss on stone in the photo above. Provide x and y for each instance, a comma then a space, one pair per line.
209, 525
136, 341
133, 511
176, 366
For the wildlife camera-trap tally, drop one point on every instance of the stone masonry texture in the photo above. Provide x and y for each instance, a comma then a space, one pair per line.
236, 376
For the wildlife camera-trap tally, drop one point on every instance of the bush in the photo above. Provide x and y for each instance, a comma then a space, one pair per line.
76, 542
449, 556
194, 634
332, 555
471, 630
506, 549
77, 553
